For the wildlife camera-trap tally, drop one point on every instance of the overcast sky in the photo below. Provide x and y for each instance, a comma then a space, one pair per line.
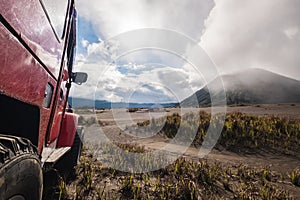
234, 34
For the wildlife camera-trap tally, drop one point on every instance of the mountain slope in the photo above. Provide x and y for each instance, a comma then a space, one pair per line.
252, 86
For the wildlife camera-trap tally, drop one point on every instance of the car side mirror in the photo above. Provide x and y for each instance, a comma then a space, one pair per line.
79, 77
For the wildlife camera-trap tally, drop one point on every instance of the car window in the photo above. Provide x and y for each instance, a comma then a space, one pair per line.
56, 10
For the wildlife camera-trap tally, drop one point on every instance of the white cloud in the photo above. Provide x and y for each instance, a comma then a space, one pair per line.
236, 34
292, 32
112, 17
133, 66
263, 34
147, 83
145, 72
84, 43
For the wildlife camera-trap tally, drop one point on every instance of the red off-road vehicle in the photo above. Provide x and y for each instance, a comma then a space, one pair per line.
37, 127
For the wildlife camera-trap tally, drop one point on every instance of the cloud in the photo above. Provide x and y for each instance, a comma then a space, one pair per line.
236, 35
132, 82
254, 34
151, 85
112, 17
151, 72
84, 43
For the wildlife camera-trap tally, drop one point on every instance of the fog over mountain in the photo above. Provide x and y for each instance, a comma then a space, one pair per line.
251, 86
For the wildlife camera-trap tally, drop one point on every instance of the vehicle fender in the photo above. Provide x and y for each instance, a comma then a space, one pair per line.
68, 130
55, 127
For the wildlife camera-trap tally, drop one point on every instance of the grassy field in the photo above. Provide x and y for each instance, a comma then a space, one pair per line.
240, 131
243, 135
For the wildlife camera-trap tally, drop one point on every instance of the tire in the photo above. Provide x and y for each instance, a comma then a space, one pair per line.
70, 160
21, 174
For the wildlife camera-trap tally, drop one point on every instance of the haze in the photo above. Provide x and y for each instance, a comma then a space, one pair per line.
235, 34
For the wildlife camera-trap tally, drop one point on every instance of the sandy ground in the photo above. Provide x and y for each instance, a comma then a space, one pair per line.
114, 128
281, 110
115, 123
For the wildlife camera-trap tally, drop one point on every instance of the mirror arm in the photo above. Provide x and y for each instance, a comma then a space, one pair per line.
69, 84
71, 78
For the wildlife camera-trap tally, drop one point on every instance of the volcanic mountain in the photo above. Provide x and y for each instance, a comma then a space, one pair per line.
251, 86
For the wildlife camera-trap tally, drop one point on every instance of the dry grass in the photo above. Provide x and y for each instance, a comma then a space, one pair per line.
184, 179
191, 179
240, 131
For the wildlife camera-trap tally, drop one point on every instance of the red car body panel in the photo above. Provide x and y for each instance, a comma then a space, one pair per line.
29, 20
68, 130
31, 57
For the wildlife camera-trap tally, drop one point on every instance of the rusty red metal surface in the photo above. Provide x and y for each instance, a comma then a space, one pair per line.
30, 58
29, 20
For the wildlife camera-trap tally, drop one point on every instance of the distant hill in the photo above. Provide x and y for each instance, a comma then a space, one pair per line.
102, 104
252, 86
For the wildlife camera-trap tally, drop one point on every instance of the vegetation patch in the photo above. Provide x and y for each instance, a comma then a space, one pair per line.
188, 178
240, 131
183, 179
86, 121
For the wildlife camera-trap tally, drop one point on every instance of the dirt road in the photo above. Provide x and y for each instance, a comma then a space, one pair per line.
114, 128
